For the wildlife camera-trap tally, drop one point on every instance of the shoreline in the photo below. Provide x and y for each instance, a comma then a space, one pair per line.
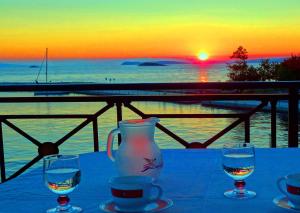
282, 106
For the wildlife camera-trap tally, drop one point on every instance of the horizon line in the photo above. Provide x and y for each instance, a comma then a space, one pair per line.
212, 58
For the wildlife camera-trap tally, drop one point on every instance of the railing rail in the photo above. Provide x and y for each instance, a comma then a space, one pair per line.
171, 92
160, 98
148, 86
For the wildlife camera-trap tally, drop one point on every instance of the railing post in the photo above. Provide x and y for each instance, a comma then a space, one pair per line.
247, 130
119, 118
293, 117
95, 134
273, 142
2, 160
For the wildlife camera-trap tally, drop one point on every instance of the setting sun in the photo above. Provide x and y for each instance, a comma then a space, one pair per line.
203, 56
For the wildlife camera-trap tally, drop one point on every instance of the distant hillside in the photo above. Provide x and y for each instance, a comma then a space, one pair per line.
277, 60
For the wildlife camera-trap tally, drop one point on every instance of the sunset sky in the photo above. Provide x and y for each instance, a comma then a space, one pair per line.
144, 28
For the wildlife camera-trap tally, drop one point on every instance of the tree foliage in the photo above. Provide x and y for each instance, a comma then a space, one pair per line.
241, 54
268, 70
239, 70
289, 69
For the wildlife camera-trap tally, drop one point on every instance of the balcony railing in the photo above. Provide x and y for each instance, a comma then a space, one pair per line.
161, 92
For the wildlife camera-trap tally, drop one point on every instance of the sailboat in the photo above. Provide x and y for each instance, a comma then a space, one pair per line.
38, 93
41, 67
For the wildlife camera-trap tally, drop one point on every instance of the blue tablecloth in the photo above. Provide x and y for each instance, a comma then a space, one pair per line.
193, 179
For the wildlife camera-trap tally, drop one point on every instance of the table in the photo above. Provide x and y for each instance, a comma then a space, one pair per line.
193, 179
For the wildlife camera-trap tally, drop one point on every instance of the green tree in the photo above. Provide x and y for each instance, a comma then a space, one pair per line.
239, 69
268, 70
289, 69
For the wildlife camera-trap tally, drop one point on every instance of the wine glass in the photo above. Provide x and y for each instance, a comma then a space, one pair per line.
238, 163
62, 176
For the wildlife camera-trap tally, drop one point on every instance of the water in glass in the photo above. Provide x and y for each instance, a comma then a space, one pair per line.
62, 181
238, 166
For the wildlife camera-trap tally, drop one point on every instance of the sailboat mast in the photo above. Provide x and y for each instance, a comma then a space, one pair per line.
46, 65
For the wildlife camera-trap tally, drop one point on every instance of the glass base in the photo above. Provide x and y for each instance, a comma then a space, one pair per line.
72, 209
235, 194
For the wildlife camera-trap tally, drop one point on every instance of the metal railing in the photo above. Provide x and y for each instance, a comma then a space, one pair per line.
188, 92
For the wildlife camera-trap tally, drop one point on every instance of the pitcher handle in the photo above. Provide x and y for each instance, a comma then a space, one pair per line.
159, 193
110, 141
279, 185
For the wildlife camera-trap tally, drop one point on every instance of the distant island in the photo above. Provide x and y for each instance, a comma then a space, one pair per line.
173, 62
151, 64
130, 63
154, 63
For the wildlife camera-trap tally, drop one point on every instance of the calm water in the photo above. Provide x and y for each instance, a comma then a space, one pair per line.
109, 71
18, 150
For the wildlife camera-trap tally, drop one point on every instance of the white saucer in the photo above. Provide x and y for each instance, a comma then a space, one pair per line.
283, 202
156, 206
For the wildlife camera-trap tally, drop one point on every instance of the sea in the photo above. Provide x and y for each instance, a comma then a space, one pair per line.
19, 150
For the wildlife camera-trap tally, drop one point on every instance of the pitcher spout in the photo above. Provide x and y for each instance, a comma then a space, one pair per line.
154, 119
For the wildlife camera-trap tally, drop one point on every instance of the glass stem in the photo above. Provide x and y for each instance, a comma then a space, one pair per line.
63, 201
239, 186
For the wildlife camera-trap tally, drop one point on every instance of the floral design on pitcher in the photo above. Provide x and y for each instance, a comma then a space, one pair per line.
151, 164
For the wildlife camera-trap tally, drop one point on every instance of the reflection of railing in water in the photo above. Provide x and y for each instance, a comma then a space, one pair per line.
120, 101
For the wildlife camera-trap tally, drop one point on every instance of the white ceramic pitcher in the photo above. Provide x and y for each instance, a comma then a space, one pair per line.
138, 153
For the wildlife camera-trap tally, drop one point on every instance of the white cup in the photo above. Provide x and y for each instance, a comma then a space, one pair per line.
292, 188
133, 193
